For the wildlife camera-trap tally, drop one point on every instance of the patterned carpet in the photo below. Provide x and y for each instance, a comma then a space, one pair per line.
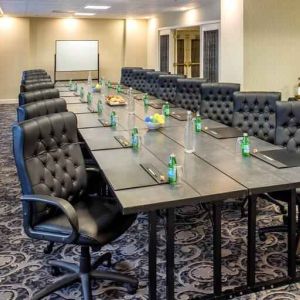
23, 268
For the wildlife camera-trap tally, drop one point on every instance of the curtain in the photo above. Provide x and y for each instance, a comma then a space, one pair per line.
211, 55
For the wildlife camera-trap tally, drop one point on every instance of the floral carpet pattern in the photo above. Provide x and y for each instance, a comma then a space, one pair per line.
23, 264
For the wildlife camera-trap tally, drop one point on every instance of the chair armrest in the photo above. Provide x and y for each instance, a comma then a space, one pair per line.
93, 170
61, 204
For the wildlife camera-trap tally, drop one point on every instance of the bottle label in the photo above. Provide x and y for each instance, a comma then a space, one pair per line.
246, 149
135, 141
113, 122
172, 175
198, 126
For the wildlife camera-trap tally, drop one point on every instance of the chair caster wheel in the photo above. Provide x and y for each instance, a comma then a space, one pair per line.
55, 271
262, 237
131, 288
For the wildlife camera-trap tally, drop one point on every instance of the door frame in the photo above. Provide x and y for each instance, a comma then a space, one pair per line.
209, 27
170, 30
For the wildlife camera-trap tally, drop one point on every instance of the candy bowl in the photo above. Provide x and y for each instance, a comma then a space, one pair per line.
155, 122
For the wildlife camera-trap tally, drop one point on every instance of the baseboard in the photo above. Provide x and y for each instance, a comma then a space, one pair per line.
8, 101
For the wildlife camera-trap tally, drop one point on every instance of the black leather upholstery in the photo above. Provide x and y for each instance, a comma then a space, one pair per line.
127, 75
34, 96
288, 125
41, 108
217, 101
32, 81
254, 113
167, 85
139, 79
152, 82
36, 86
53, 178
188, 95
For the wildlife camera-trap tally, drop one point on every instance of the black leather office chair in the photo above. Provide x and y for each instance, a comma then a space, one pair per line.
139, 79
127, 75
41, 108
56, 206
217, 101
287, 134
35, 80
167, 87
188, 95
152, 82
28, 97
37, 86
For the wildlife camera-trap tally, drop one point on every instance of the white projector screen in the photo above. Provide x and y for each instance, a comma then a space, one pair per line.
77, 56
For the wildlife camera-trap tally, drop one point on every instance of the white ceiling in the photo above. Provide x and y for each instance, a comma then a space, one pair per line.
119, 8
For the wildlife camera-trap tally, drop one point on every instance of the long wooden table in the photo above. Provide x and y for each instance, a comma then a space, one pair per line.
214, 173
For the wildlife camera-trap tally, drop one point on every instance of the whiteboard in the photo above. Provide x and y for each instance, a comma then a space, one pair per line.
77, 56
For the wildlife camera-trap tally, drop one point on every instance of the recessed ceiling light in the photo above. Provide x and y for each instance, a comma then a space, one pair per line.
97, 7
84, 14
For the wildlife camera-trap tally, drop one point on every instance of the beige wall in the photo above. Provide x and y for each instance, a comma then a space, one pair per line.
14, 54
272, 43
30, 43
232, 41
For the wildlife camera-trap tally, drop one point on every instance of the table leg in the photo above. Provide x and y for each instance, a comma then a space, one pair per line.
292, 234
170, 232
152, 217
217, 259
251, 253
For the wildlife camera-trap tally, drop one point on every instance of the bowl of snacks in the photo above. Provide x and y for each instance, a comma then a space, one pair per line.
155, 122
97, 88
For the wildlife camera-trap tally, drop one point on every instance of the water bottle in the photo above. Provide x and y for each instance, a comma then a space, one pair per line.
99, 107
172, 173
75, 87
113, 119
135, 143
198, 123
131, 102
189, 141
70, 84
90, 79
81, 94
89, 99
245, 146
146, 100
166, 109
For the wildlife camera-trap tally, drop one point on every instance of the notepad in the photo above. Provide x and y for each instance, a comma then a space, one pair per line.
223, 132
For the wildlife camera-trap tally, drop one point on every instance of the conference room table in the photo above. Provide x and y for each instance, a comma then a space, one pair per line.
215, 172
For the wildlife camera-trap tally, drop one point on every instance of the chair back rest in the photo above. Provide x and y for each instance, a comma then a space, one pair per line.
167, 86
36, 80
288, 125
152, 82
217, 101
49, 160
188, 95
41, 108
39, 95
254, 113
36, 86
126, 75
139, 79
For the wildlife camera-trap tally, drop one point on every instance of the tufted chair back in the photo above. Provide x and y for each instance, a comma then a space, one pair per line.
32, 81
188, 94
127, 75
288, 125
41, 108
34, 96
254, 113
139, 79
217, 101
49, 161
167, 86
36, 86
152, 82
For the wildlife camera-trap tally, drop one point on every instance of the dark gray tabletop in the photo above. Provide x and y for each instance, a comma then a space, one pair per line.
88, 120
72, 100
80, 108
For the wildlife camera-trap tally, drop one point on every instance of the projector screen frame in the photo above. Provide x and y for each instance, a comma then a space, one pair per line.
55, 62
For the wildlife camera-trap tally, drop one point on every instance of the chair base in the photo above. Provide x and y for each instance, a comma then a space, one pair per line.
85, 273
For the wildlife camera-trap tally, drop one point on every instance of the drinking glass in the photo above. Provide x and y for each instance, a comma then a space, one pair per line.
180, 174
238, 145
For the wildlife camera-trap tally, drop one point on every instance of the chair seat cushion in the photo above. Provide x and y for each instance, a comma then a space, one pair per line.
100, 221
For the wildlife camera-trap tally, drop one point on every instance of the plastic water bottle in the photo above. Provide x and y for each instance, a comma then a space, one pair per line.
189, 140
99, 107
89, 99
172, 170
131, 102
81, 94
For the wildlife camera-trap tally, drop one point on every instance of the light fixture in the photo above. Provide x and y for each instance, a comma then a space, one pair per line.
1, 12
97, 7
84, 14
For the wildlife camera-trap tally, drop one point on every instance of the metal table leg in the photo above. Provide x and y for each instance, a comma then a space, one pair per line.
170, 232
152, 217
251, 253
292, 234
217, 259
